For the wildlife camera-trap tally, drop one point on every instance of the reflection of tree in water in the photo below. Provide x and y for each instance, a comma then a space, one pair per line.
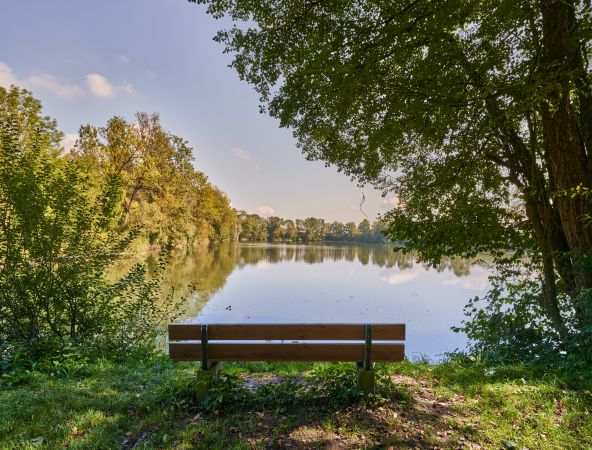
197, 273
206, 269
460, 267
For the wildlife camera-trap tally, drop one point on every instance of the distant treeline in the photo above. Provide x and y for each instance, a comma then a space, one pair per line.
172, 203
254, 228
148, 173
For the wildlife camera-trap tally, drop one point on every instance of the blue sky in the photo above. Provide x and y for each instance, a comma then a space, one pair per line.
88, 61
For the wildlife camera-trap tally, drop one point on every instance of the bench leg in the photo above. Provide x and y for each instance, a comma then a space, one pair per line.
365, 379
205, 379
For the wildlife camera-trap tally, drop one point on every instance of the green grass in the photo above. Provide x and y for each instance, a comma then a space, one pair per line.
151, 405
527, 406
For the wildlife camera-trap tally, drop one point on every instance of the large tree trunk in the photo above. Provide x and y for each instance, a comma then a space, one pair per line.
557, 221
539, 213
564, 142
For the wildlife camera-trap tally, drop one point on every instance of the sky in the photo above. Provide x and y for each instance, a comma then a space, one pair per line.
88, 61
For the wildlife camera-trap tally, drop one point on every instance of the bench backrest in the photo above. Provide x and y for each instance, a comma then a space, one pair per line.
271, 348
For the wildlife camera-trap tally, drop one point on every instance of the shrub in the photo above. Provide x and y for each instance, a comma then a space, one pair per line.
58, 241
508, 326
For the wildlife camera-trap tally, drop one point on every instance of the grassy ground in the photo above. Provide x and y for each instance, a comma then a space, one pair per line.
106, 405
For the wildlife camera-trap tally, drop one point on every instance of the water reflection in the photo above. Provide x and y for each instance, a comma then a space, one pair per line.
378, 255
205, 270
328, 283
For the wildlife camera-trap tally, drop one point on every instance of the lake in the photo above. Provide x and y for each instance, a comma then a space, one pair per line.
259, 282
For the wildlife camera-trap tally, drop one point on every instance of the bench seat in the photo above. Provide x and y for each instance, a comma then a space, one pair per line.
213, 343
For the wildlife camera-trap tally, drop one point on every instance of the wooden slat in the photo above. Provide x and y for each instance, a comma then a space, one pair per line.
286, 352
287, 331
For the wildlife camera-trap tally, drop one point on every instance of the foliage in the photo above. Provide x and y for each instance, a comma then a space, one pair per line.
162, 192
146, 401
253, 227
58, 242
475, 115
325, 387
509, 326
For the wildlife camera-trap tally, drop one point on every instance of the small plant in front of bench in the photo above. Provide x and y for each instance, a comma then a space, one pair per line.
213, 343
323, 388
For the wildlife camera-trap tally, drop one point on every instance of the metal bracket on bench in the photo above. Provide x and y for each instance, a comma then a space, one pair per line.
368, 347
205, 364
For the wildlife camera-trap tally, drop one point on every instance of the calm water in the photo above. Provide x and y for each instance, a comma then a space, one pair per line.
330, 283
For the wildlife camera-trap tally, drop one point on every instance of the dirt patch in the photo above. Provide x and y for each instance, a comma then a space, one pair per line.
427, 422
253, 383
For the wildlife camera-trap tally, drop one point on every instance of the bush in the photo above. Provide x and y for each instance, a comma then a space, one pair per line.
508, 326
58, 242
327, 387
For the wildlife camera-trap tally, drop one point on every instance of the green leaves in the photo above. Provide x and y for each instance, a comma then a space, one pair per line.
475, 115
58, 241
153, 182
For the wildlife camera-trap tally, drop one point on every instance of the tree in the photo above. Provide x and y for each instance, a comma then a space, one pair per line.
252, 227
274, 228
58, 242
478, 115
300, 229
364, 227
336, 231
315, 229
162, 192
377, 231
289, 231
351, 231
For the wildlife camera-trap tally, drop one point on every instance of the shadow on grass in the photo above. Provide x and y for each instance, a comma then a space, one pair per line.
292, 416
95, 411
152, 405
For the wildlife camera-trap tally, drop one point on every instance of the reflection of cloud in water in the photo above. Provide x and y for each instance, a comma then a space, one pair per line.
475, 283
201, 272
399, 277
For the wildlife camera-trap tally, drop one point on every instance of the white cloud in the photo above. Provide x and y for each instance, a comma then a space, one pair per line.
43, 81
470, 283
49, 83
245, 156
400, 277
122, 58
7, 76
99, 85
392, 202
68, 141
128, 88
266, 210
241, 154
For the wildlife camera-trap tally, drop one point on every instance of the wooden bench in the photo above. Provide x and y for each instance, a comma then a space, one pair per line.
213, 343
